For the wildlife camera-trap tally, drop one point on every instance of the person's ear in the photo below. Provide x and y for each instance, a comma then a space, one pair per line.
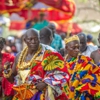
66, 47
24, 39
51, 38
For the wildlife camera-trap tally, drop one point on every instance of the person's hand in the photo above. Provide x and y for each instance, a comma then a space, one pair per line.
41, 85
7, 67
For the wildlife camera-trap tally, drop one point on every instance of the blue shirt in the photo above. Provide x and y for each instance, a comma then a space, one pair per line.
57, 42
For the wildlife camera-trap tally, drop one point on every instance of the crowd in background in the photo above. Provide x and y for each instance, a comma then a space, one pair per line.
48, 35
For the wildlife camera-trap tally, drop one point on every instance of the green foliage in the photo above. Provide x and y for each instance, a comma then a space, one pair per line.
84, 1
99, 2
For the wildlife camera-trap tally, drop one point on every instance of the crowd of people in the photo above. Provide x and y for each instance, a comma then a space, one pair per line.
49, 66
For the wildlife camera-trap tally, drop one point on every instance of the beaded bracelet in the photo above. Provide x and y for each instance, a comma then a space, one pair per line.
8, 74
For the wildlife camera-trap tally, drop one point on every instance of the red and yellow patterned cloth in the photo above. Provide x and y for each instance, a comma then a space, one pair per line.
48, 67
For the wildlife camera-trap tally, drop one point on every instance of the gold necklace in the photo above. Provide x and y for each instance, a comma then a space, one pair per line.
23, 65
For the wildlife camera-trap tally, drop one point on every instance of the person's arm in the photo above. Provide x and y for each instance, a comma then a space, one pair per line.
92, 55
12, 70
15, 65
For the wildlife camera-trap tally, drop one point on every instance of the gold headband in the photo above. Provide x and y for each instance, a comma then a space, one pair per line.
72, 38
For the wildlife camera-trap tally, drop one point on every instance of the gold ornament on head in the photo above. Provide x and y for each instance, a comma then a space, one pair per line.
70, 39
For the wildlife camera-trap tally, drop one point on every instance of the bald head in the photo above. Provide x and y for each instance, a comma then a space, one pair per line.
52, 27
31, 38
83, 36
83, 41
32, 31
46, 36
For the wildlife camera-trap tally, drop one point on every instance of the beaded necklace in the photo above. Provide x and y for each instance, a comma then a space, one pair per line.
22, 64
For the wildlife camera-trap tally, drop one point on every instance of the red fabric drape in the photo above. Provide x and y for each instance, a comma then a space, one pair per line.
51, 14
67, 6
11, 5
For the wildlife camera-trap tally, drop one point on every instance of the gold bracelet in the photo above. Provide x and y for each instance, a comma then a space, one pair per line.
7, 75
5, 66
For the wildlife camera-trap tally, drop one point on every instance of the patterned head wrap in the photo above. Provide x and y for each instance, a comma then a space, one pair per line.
72, 38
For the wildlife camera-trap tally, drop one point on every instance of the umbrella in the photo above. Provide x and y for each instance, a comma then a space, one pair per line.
12, 5
53, 11
67, 27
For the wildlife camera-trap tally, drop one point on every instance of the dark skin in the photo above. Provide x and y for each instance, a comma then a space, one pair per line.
2, 43
73, 49
1, 47
95, 55
46, 36
41, 17
32, 40
52, 27
83, 42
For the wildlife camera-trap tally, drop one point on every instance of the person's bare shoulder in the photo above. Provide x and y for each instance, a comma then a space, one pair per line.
93, 54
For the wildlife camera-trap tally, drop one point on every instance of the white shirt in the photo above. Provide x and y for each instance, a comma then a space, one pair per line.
89, 50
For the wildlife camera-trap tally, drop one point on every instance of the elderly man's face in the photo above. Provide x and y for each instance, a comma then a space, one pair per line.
73, 48
32, 40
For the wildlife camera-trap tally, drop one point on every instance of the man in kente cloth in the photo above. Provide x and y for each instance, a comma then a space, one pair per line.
40, 73
84, 82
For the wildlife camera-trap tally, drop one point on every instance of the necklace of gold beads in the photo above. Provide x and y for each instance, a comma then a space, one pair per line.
22, 64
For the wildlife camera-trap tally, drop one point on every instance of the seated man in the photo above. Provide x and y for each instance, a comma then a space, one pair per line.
41, 74
84, 82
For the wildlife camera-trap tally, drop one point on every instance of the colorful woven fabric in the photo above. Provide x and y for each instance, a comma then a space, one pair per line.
42, 70
85, 79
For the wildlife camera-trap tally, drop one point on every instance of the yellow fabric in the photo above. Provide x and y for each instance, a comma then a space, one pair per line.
70, 39
23, 74
50, 93
52, 62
